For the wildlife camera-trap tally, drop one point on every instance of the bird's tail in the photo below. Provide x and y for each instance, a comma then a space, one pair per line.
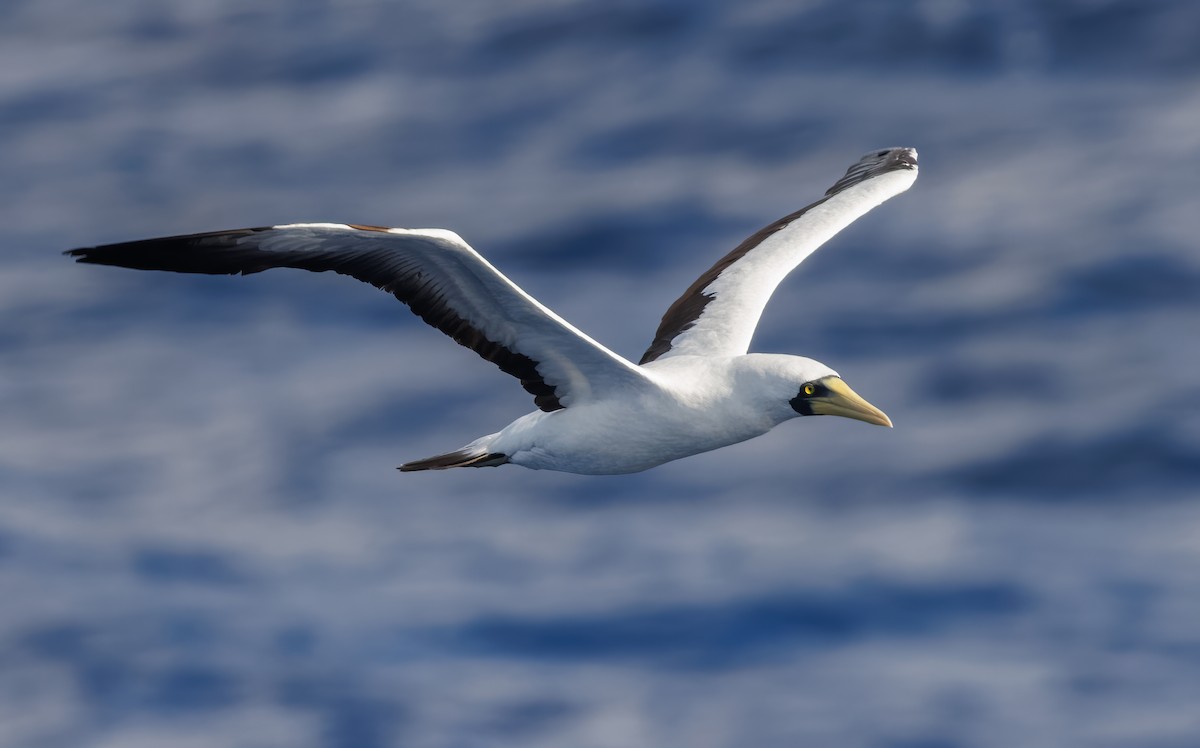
465, 457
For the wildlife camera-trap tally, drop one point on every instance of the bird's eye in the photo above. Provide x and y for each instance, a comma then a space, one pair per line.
810, 389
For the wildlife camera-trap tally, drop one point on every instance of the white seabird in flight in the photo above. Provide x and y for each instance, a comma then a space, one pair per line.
695, 389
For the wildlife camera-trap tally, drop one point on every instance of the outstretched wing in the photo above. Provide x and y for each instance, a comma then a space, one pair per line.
433, 271
717, 315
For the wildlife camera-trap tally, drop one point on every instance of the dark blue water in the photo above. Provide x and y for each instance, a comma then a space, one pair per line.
203, 540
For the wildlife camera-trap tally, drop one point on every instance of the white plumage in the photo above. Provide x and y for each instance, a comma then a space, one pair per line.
695, 389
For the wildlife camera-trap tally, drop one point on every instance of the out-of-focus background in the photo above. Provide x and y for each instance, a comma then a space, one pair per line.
204, 542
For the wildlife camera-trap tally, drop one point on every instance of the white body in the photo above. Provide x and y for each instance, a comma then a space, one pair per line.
695, 404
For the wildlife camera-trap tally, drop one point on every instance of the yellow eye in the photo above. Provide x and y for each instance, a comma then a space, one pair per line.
810, 389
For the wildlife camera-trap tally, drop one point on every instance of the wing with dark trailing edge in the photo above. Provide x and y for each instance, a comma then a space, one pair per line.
442, 279
717, 315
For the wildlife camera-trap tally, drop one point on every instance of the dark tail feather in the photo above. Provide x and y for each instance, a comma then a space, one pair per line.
460, 458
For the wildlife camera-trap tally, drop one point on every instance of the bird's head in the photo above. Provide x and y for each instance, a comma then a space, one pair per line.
810, 388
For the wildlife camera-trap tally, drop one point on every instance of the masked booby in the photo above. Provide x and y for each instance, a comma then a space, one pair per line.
696, 388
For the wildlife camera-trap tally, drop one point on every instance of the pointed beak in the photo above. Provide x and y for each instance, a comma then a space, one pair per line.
845, 402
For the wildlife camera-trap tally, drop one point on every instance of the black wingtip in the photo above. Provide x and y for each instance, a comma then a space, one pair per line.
211, 253
902, 158
83, 254
136, 255
874, 164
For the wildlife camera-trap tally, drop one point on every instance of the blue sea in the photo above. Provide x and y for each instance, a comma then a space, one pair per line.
203, 537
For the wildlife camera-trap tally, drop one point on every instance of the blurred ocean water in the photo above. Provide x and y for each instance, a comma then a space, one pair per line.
203, 540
